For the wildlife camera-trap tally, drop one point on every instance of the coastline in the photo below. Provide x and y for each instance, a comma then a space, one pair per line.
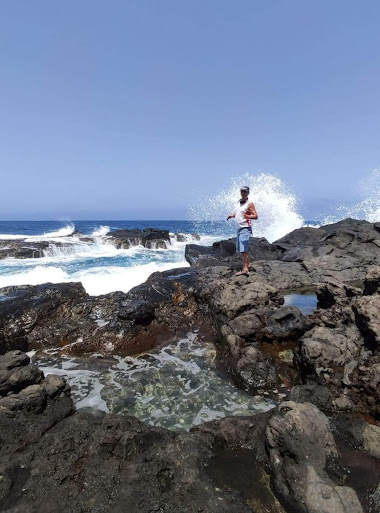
327, 362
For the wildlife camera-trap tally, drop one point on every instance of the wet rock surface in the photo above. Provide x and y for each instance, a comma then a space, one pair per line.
64, 315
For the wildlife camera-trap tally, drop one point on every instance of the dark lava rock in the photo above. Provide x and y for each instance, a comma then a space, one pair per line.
311, 393
17, 378
14, 359
224, 252
300, 442
286, 323
342, 251
332, 292
117, 464
63, 315
19, 248
148, 237
372, 281
226, 296
254, 372
366, 310
342, 351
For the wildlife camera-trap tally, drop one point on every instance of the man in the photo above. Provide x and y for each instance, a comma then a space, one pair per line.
245, 211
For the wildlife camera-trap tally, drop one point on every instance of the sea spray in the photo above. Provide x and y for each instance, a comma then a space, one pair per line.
101, 231
366, 207
275, 203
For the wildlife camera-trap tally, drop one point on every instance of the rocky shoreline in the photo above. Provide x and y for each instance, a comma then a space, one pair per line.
317, 451
31, 247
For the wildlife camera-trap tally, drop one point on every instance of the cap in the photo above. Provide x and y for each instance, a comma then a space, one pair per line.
244, 188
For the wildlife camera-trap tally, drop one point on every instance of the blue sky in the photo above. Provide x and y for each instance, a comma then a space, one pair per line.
130, 109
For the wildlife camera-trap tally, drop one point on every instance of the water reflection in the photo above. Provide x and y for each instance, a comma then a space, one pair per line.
306, 302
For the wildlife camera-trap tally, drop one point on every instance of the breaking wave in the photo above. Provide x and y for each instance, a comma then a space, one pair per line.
66, 231
97, 280
368, 205
275, 203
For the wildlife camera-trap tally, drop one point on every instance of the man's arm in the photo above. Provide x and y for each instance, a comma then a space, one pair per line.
251, 212
230, 216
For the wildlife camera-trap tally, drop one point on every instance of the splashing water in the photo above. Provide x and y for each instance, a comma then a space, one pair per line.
101, 231
276, 206
56, 234
368, 206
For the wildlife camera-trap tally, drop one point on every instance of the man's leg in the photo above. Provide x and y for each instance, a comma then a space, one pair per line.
245, 261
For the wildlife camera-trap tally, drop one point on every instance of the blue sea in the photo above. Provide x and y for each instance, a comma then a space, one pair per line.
98, 265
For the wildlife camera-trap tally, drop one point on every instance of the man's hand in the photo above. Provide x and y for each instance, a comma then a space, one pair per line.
251, 212
230, 216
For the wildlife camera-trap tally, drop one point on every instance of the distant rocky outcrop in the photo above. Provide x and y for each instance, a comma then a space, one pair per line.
151, 238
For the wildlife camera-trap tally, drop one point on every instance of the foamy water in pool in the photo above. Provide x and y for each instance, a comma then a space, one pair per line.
176, 387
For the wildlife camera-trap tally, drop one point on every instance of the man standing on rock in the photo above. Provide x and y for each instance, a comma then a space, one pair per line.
245, 211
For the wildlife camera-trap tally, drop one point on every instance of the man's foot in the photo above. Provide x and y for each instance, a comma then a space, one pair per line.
240, 273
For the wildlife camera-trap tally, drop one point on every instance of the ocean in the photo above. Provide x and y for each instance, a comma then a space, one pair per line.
99, 265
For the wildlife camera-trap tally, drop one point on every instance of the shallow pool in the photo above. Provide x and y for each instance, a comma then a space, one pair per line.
176, 387
305, 301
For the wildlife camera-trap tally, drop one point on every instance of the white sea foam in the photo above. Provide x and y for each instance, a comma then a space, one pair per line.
62, 232
86, 383
96, 280
101, 231
56, 234
78, 249
35, 276
275, 203
101, 280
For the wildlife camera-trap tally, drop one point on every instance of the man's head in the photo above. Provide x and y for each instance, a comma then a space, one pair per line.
244, 191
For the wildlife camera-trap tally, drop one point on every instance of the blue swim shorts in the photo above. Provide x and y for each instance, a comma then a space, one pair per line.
242, 240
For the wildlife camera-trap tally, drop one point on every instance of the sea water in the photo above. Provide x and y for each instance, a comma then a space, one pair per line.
176, 386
